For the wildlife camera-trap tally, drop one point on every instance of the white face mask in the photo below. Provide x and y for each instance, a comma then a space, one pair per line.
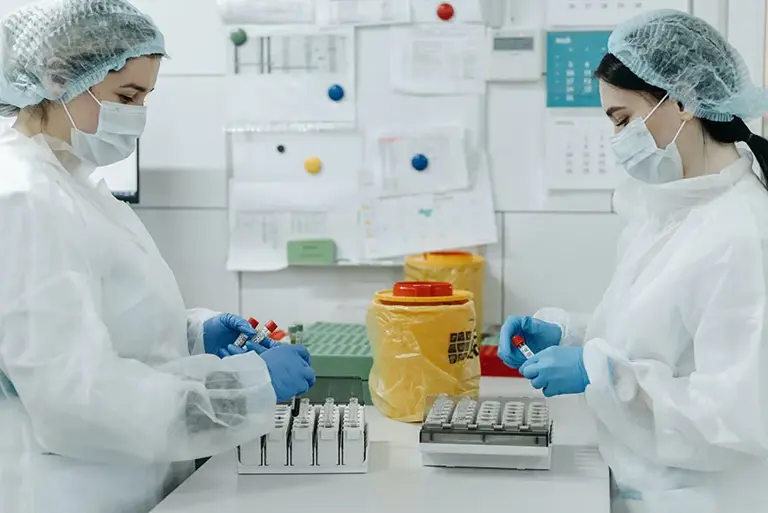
120, 126
636, 150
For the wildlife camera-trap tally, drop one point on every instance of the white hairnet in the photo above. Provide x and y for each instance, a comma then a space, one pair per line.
57, 49
690, 60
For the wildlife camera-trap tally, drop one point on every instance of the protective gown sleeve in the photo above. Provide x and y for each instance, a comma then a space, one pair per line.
196, 317
713, 419
84, 401
573, 326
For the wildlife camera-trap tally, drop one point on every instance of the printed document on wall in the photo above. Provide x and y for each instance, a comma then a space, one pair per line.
407, 225
267, 12
422, 161
363, 12
428, 59
264, 217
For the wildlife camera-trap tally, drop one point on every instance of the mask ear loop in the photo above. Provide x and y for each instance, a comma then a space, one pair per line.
94, 97
655, 108
69, 115
678, 132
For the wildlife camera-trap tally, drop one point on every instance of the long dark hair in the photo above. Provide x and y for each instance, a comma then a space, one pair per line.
612, 71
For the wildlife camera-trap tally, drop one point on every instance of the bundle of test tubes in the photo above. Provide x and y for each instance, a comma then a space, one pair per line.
309, 439
261, 333
486, 432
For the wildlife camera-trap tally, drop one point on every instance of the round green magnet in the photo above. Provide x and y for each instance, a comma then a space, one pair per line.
239, 37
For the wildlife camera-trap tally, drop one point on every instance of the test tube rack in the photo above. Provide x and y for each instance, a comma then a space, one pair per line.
309, 438
510, 433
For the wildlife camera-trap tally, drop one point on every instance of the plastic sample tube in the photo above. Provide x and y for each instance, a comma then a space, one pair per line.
519, 343
243, 338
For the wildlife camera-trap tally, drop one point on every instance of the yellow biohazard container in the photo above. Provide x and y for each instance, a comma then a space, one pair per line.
463, 270
423, 343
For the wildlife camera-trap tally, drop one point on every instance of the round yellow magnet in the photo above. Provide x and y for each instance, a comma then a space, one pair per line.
313, 165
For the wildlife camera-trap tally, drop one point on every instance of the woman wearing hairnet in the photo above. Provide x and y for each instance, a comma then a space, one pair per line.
674, 362
107, 385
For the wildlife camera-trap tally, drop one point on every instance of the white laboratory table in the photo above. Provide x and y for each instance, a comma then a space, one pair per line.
396, 481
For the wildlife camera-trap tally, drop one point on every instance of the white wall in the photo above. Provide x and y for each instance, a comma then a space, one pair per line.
554, 249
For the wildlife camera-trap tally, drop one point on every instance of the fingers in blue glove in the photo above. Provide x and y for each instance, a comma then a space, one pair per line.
530, 368
237, 323
309, 375
538, 336
557, 370
304, 353
257, 347
509, 354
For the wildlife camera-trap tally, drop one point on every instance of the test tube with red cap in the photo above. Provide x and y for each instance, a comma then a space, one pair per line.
243, 338
269, 328
519, 343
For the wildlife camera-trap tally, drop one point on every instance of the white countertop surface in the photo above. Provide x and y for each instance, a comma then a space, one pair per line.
397, 482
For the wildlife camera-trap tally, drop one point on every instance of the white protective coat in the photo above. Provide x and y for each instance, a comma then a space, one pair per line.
682, 409
96, 341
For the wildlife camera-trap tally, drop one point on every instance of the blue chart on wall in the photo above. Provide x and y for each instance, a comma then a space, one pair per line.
572, 57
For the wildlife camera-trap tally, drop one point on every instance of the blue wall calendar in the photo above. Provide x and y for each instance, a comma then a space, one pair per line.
572, 57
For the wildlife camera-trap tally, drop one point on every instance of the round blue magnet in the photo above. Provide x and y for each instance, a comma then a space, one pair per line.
420, 162
336, 92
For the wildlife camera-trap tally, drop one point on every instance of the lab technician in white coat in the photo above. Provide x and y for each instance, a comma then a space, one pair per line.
674, 361
108, 386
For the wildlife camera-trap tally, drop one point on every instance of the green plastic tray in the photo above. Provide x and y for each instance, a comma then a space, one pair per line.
340, 351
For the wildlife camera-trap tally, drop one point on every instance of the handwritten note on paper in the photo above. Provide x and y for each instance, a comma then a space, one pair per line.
427, 59
265, 216
257, 241
442, 166
363, 12
406, 225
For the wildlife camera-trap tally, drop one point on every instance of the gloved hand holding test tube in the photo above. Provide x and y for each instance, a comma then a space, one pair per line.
261, 334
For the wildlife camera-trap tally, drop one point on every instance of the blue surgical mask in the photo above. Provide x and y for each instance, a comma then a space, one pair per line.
120, 126
636, 150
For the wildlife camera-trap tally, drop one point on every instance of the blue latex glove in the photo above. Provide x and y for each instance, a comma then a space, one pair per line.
557, 370
538, 336
289, 369
221, 331
259, 348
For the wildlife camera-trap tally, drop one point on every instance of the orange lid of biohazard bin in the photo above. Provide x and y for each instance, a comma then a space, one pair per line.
423, 293
449, 256
446, 258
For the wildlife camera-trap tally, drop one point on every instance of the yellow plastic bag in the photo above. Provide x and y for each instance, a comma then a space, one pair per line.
463, 270
423, 343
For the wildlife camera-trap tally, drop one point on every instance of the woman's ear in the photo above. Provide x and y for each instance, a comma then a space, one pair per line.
684, 115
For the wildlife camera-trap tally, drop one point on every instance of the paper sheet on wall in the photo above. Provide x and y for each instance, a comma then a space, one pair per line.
264, 217
428, 59
363, 12
431, 222
444, 150
293, 50
267, 12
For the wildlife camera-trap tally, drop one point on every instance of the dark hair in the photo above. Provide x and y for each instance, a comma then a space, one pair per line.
612, 71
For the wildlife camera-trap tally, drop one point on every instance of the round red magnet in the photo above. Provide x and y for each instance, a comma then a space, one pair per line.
445, 12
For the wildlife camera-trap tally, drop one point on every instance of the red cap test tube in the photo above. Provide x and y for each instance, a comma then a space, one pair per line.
519, 342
